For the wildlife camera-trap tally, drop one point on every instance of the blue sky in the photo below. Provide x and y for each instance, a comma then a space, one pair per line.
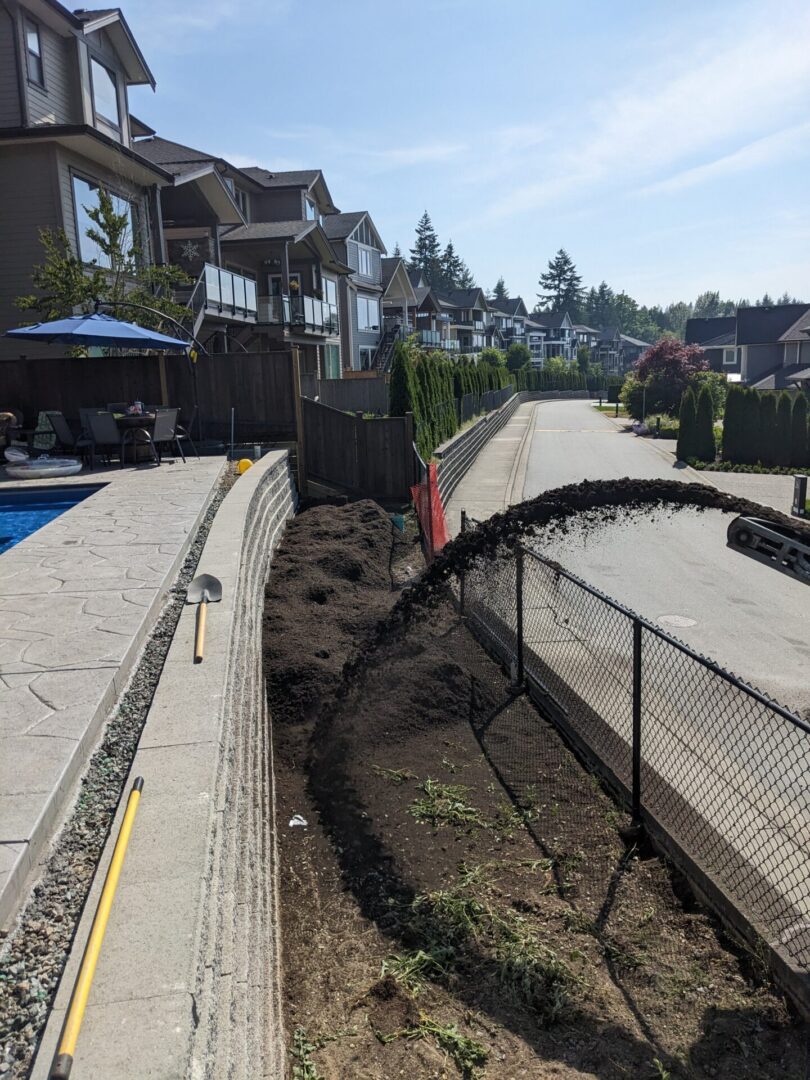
666, 146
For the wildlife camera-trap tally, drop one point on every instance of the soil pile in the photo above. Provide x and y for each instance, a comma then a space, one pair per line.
459, 902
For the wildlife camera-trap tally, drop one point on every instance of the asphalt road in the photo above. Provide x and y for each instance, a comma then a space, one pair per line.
676, 570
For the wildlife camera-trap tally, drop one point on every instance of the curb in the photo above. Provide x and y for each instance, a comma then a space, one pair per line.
521, 462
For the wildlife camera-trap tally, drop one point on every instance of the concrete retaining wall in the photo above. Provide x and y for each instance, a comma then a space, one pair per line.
188, 980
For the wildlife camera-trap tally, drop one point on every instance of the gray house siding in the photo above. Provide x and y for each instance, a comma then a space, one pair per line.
353, 260
29, 201
10, 113
57, 102
279, 206
760, 359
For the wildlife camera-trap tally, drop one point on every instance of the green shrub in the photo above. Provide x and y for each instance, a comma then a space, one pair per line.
733, 441
799, 434
704, 448
767, 428
783, 430
687, 422
751, 452
718, 386
517, 356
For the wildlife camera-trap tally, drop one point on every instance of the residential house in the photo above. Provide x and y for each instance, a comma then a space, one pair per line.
65, 132
631, 349
468, 312
763, 347
551, 334
607, 351
509, 319
358, 244
718, 339
399, 306
279, 246
586, 336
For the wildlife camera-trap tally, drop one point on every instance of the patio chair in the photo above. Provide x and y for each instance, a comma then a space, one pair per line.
65, 437
183, 434
165, 431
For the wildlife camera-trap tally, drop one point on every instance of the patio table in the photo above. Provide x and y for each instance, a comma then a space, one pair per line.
144, 421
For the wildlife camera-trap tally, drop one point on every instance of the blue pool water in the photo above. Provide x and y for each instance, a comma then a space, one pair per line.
23, 511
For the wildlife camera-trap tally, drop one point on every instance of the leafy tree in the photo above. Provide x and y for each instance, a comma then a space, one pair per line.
493, 356
556, 365
518, 356
65, 283
799, 433
709, 306
426, 251
717, 384
500, 292
687, 422
704, 425
783, 431
561, 283
665, 369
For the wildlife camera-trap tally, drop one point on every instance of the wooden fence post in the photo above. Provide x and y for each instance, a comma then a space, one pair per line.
299, 422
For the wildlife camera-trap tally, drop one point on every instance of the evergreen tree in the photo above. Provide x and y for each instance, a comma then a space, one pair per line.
704, 426
783, 432
799, 433
500, 292
426, 251
686, 427
732, 425
766, 301
465, 279
402, 393
397, 252
751, 428
767, 428
450, 268
562, 284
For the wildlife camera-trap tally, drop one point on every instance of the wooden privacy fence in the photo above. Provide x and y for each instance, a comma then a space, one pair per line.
364, 457
258, 386
356, 395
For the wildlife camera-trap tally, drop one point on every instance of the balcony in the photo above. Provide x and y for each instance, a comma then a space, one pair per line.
432, 338
451, 345
306, 314
223, 294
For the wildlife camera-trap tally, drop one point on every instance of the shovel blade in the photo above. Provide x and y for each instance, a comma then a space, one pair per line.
205, 588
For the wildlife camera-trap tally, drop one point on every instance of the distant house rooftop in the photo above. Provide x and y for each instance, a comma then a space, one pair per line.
701, 331
764, 325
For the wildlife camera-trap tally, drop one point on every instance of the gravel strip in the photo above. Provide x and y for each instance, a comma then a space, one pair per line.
33, 956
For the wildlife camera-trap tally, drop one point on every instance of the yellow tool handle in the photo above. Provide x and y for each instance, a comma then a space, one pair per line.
60, 1070
199, 636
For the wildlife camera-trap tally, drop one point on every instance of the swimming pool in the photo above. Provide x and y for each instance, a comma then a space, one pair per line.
23, 511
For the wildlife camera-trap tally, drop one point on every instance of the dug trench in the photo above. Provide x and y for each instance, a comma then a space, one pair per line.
459, 901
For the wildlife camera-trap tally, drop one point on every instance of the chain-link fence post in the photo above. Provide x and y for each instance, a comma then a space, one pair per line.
461, 578
636, 793
519, 616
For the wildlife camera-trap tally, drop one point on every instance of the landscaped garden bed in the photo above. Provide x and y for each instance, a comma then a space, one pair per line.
456, 899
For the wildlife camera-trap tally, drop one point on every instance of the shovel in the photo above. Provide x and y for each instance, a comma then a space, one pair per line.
204, 590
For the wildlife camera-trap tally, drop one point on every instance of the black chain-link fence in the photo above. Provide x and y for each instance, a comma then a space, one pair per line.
710, 761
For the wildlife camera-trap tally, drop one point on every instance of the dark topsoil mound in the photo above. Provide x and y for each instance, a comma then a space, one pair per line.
451, 830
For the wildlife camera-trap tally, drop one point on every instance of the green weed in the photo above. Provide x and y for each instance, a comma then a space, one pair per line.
304, 1067
396, 776
445, 804
467, 1054
415, 969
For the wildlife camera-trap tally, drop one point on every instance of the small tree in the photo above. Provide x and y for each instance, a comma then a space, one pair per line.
584, 359
751, 428
799, 433
783, 430
518, 356
490, 355
665, 369
687, 418
704, 426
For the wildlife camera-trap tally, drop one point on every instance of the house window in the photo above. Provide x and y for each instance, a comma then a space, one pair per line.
364, 261
368, 313
331, 361
105, 94
33, 50
241, 199
85, 199
366, 358
729, 357
311, 210
330, 291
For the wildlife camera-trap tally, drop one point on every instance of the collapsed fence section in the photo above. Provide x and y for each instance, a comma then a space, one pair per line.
714, 769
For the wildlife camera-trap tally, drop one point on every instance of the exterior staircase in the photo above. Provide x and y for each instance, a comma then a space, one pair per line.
381, 361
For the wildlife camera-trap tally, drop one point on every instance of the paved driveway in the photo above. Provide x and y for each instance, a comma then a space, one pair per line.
676, 571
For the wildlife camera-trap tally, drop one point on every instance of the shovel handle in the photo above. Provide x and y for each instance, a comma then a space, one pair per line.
199, 635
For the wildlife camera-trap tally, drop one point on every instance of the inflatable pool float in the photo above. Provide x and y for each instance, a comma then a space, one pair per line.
20, 467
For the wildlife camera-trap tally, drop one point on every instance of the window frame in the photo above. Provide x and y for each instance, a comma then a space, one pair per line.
366, 349
31, 24
114, 124
135, 222
363, 250
365, 301
733, 351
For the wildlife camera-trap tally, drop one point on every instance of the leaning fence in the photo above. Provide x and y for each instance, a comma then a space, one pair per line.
713, 767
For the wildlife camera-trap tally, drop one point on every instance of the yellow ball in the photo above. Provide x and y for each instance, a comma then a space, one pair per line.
244, 465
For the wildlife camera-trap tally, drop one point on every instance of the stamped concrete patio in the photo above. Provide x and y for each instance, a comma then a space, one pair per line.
77, 600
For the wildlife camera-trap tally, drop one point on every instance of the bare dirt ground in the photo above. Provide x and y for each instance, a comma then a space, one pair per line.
460, 902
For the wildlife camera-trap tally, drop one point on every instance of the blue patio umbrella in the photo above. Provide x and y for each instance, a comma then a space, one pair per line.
100, 330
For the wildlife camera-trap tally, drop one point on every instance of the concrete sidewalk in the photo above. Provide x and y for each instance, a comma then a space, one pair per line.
496, 478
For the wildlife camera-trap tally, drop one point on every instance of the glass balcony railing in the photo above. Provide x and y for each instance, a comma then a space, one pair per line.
307, 313
228, 292
451, 345
429, 337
